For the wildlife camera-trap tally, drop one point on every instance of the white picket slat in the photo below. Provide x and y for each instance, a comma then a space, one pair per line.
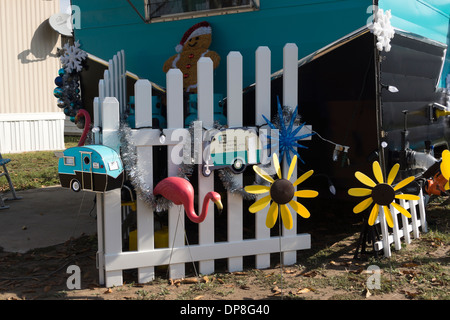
262, 107
205, 112
174, 120
408, 205
144, 215
396, 231
290, 99
107, 89
422, 212
235, 110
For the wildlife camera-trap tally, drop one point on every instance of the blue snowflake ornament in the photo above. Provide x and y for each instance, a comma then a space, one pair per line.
287, 138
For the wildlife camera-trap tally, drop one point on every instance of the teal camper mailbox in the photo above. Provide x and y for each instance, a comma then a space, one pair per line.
92, 168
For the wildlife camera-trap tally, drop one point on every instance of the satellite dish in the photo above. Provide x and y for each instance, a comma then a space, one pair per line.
61, 23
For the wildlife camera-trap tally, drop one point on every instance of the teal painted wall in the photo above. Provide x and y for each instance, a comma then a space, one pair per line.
428, 18
107, 26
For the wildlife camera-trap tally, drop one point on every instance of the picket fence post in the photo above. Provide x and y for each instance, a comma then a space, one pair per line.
112, 213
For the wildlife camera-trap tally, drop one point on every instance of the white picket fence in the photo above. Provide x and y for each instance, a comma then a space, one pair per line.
403, 226
113, 84
109, 105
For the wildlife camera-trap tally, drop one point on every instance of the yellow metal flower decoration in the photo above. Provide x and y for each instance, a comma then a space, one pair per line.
382, 194
281, 192
445, 167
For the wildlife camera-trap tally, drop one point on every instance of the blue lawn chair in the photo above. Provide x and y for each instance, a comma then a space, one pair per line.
3, 163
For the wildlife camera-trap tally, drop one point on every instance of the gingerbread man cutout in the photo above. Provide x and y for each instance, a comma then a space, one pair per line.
192, 47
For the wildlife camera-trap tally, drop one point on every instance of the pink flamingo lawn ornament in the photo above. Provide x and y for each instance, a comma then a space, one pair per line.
180, 191
87, 125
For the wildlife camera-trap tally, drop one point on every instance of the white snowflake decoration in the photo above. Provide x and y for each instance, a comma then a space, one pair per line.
383, 29
73, 57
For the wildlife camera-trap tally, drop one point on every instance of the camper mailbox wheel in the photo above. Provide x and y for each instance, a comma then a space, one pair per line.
91, 168
75, 185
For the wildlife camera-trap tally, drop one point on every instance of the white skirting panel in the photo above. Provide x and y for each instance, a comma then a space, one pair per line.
20, 132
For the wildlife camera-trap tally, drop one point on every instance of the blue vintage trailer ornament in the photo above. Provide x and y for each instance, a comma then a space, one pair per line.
92, 168
234, 148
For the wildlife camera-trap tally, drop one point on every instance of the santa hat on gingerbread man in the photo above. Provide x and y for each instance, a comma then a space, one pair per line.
196, 30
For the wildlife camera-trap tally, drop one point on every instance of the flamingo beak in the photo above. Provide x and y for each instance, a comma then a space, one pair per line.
219, 205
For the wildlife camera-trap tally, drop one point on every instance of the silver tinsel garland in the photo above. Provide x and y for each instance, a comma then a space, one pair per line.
145, 193
129, 158
227, 176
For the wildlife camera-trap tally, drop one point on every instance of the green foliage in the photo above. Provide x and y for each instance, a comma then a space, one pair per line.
29, 170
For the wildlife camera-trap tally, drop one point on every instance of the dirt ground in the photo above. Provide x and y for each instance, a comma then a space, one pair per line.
327, 271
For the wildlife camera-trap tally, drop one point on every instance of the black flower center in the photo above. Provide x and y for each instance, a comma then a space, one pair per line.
383, 194
282, 191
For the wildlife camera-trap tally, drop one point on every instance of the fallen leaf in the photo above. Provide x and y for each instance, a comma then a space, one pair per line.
409, 265
109, 290
367, 293
276, 290
205, 279
176, 282
240, 273
434, 244
411, 273
358, 271
47, 288
189, 280
198, 297
289, 271
435, 282
304, 290
411, 294
244, 287
310, 274
220, 281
